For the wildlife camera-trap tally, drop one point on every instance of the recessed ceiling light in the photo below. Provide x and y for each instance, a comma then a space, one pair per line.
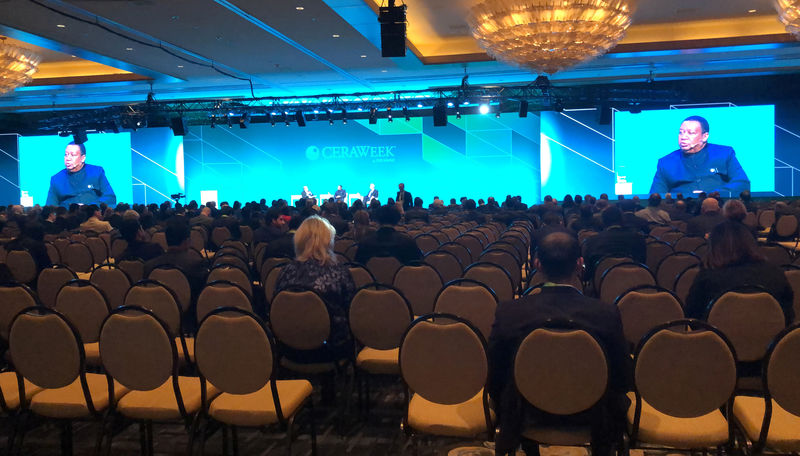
363, 56
61, 26
180, 66
751, 11
128, 49
299, 8
384, 71
73, 56
335, 35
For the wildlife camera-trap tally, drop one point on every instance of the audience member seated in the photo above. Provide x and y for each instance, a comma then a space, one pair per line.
273, 228
283, 246
93, 222
315, 267
560, 299
709, 217
386, 241
417, 212
361, 227
615, 240
132, 232
31, 238
732, 261
204, 219
49, 218
177, 254
653, 212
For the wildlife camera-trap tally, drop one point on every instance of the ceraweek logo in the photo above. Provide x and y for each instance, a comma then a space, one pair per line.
376, 154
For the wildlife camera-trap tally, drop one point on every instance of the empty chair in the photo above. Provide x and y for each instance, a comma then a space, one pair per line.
689, 243
229, 258
770, 422
341, 245
644, 308
419, 284
198, 238
134, 267
13, 298
98, 247
222, 293
22, 266
785, 227
672, 265
219, 235
118, 247
677, 398
231, 274
162, 302
470, 300
383, 268
236, 354
473, 243
268, 264
671, 236
657, 251
50, 281
602, 265
494, 276
445, 367
684, 281
766, 218
175, 279
622, 277
507, 261
426, 243
78, 257
793, 276
379, 315
360, 274
776, 254
85, 306
460, 251
113, 282
446, 264
270, 282
52, 253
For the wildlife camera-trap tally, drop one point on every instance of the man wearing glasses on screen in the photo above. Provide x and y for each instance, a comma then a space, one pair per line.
699, 166
79, 182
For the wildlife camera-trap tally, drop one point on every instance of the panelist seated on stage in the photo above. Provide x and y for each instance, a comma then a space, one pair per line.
341, 195
306, 193
79, 182
371, 195
699, 166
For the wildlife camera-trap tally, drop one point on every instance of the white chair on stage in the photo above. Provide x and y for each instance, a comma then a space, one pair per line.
352, 197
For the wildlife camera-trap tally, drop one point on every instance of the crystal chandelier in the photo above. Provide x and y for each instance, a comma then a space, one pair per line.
789, 14
17, 66
549, 35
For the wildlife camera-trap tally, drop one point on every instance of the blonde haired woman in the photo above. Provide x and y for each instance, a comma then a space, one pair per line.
315, 268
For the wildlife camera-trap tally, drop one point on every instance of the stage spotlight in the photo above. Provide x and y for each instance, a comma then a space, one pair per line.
213, 121
484, 109
439, 115
329, 114
458, 114
497, 114
300, 118
272, 118
79, 136
344, 117
389, 114
393, 30
244, 120
523, 108
179, 126
286, 118
373, 116
230, 121
406, 114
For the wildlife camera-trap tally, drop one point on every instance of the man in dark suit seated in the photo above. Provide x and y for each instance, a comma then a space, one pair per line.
133, 234
709, 217
177, 254
616, 240
386, 241
560, 299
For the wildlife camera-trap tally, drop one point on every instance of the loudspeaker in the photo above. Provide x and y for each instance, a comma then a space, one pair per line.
439, 115
604, 114
79, 136
523, 108
179, 126
393, 30
300, 118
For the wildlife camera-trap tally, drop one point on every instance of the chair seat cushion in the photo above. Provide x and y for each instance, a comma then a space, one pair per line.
69, 401
466, 419
784, 428
705, 431
161, 403
258, 408
92, 350
10, 388
379, 361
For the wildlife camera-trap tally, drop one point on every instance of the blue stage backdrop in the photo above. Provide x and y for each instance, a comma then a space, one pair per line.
9, 170
157, 165
476, 156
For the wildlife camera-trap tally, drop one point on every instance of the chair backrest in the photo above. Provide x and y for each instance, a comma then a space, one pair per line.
671, 236
644, 308
793, 276
682, 385
622, 277
426, 243
602, 265
657, 251
473, 243
270, 282
379, 316
419, 284
173, 277
134, 267
444, 363
535, 278
461, 252
78, 256
446, 264
689, 243
750, 319
360, 274
776, 254
512, 246
471, 300
750, 220
197, 237
84, 306
22, 265
766, 218
658, 231
222, 293
235, 351
684, 281
383, 268
118, 247
672, 265
50, 281
507, 261
239, 245
219, 235
158, 299
561, 372
782, 375
45, 348
493, 276
231, 259
13, 298
341, 245
231, 274
300, 319
786, 226
138, 350
268, 265
113, 282
98, 247
52, 253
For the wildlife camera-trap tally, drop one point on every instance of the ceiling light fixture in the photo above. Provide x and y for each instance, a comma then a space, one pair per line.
484, 109
17, 66
789, 15
548, 36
